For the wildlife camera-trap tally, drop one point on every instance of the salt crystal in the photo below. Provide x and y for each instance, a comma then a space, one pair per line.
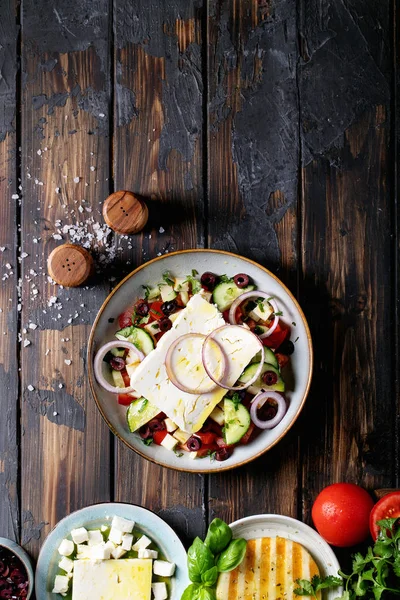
26, 343
57, 190
30, 388
55, 413
92, 168
57, 236
35, 240
32, 326
39, 152
76, 179
2, 248
67, 361
60, 385
24, 255
102, 115
15, 197
47, 352
8, 266
19, 307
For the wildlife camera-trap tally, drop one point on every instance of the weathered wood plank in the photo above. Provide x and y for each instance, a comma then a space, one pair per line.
253, 166
158, 153
65, 165
9, 268
344, 78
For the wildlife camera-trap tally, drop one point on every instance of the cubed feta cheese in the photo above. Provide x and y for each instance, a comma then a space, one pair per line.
110, 545
61, 584
118, 552
167, 292
182, 436
262, 311
122, 524
181, 284
95, 537
145, 553
66, 547
206, 295
100, 552
103, 528
170, 425
84, 551
127, 541
142, 542
184, 297
79, 535
160, 591
115, 535
66, 564
169, 442
217, 415
163, 568
192, 455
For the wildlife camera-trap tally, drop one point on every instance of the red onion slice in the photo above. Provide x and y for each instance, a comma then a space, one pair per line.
255, 294
210, 385
259, 401
221, 382
98, 365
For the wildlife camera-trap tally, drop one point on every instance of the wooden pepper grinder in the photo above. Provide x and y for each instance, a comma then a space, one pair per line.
70, 265
125, 212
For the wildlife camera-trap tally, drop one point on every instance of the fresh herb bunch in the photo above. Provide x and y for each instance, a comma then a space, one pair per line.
219, 553
375, 576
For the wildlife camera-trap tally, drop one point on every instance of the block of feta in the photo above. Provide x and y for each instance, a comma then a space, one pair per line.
163, 568
181, 436
170, 425
262, 311
115, 535
159, 590
123, 579
217, 415
145, 553
181, 284
95, 537
141, 543
80, 535
169, 442
66, 564
124, 525
118, 552
100, 552
61, 584
127, 541
66, 547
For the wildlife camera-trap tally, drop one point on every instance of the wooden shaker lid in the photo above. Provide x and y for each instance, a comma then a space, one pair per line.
125, 212
70, 265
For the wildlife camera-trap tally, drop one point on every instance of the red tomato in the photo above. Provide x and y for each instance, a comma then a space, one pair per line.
387, 507
282, 359
126, 378
278, 336
155, 311
225, 314
206, 438
158, 436
125, 399
206, 449
246, 438
125, 318
341, 514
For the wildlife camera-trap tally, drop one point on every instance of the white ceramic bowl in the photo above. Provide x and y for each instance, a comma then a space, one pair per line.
180, 264
258, 526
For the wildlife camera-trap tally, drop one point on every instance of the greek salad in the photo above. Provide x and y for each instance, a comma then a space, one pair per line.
106, 562
199, 363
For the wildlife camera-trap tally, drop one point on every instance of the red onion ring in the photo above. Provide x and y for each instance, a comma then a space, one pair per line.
255, 294
98, 360
259, 400
173, 377
221, 383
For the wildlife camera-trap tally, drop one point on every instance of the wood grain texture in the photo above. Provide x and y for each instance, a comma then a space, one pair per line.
65, 164
158, 154
347, 257
253, 165
9, 269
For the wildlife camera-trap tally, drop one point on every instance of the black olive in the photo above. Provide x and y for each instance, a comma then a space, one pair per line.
241, 280
287, 347
117, 363
169, 307
269, 377
142, 309
145, 432
165, 324
208, 280
223, 454
193, 443
156, 425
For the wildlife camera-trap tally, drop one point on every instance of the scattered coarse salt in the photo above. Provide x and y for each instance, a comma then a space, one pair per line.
52, 300
102, 115
15, 197
55, 413
39, 152
26, 343
60, 385
35, 240
30, 388
57, 236
32, 326
149, 236
57, 190
76, 179
24, 255
92, 168
2, 248
67, 361
161, 230
47, 352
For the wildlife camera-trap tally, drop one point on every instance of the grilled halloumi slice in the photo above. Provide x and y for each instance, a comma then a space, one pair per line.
268, 571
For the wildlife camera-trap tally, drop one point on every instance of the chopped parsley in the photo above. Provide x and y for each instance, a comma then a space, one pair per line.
167, 278
147, 291
148, 442
194, 272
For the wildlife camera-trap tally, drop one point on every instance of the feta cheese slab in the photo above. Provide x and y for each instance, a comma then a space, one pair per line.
142, 542
61, 583
150, 379
123, 579
122, 524
160, 591
144, 553
80, 535
163, 568
66, 547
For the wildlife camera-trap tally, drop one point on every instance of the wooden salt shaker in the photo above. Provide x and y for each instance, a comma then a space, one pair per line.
70, 265
125, 212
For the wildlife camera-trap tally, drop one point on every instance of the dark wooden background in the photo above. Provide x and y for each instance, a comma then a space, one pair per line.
267, 128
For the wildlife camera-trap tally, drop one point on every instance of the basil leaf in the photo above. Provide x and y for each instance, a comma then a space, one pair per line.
191, 592
206, 593
232, 556
200, 560
219, 535
210, 576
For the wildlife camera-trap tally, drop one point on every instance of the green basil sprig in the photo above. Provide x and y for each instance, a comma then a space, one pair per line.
217, 554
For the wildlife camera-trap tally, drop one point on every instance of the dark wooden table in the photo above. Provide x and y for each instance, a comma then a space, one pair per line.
265, 128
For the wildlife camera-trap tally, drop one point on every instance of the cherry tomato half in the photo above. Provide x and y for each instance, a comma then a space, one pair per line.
126, 378
158, 436
341, 514
206, 438
387, 507
278, 336
125, 399
155, 311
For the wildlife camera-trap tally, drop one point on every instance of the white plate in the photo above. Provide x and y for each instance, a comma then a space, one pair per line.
258, 526
93, 517
180, 264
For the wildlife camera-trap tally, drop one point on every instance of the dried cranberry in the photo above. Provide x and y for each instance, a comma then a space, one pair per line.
145, 432
117, 363
169, 307
165, 324
142, 308
6, 593
156, 425
269, 377
208, 280
193, 443
241, 280
223, 454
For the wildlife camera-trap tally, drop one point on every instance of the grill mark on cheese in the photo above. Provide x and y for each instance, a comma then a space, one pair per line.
280, 566
248, 570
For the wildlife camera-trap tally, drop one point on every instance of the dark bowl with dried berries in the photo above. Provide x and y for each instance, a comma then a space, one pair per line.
16, 573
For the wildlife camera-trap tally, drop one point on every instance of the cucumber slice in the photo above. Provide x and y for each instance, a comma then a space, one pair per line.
153, 293
225, 293
259, 385
140, 412
137, 336
118, 380
269, 357
119, 352
237, 421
